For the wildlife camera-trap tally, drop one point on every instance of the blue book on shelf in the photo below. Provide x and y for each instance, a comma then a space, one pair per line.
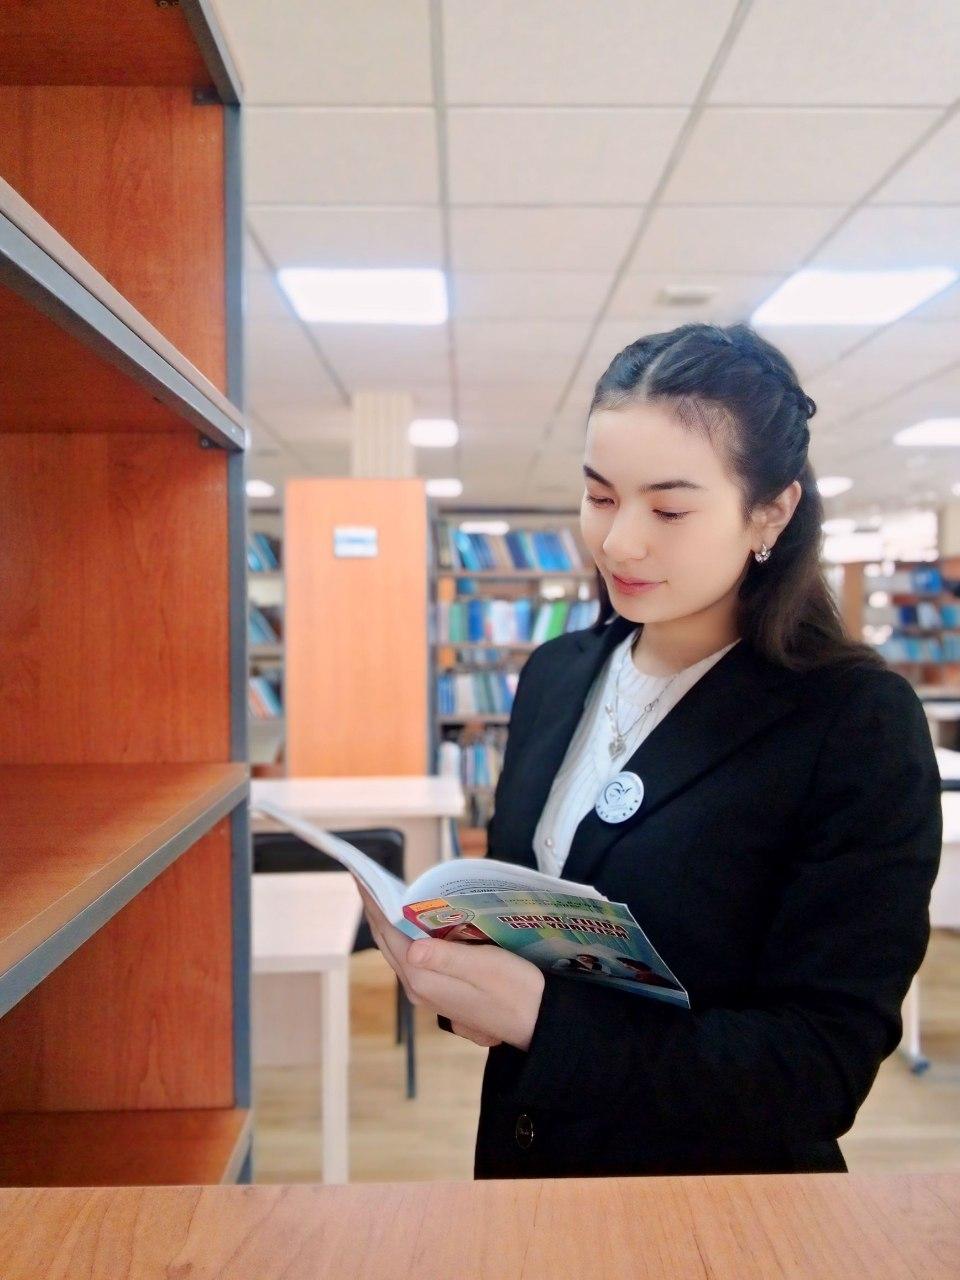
475, 619
267, 554
561, 558
528, 549
465, 550
515, 547
523, 612
926, 578
542, 545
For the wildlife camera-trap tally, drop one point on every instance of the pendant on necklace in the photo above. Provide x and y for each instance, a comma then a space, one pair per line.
616, 746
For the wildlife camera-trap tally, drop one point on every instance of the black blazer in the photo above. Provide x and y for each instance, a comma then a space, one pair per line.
781, 863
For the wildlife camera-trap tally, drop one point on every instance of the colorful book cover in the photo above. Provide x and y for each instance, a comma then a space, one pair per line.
595, 940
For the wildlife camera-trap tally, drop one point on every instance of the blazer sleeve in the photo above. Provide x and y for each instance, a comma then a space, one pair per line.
798, 1054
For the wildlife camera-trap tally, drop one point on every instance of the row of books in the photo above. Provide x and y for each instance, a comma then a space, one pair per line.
511, 621
538, 549
264, 698
263, 553
924, 579
921, 649
922, 614
264, 625
477, 809
481, 758
475, 692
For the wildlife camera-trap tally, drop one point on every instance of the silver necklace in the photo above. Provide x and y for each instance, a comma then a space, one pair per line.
619, 739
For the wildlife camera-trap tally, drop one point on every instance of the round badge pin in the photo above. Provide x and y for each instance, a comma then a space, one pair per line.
620, 798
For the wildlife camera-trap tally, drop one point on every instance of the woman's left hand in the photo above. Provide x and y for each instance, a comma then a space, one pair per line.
482, 987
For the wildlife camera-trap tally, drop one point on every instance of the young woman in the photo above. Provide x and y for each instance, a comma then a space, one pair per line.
775, 820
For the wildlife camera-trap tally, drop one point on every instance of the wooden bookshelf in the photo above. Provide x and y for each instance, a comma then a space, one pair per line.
70, 863
858, 586
266, 588
357, 645
479, 729
125, 858
124, 1148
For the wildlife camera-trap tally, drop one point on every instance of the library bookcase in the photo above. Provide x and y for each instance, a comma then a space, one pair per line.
483, 662
125, 850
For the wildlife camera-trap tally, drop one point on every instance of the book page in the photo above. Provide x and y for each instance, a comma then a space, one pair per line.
387, 890
475, 875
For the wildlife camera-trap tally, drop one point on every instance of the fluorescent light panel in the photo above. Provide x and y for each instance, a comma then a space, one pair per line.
389, 296
931, 431
833, 486
433, 433
444, 488
485, 526
820, 296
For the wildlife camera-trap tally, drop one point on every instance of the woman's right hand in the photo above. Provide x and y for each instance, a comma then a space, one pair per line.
393, 946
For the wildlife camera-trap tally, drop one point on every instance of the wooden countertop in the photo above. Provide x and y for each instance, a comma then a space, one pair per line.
770, 1227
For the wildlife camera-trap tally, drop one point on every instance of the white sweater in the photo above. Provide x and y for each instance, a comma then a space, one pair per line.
587, 765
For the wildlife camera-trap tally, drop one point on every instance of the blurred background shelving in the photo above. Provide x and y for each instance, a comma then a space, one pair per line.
502, 582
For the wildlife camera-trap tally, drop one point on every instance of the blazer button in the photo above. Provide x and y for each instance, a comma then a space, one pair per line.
524, 1131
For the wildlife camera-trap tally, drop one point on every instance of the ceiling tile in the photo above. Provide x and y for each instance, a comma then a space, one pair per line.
564, 51
533, 295
532, 156
844, 51
281, 366
378, 355
340, 156
746, 239
561, 239
942, 306
530, 337
321, 51
344, 237
735, 299
308, 420
900, 354
326, 457
894, 236
264, 298
797, 156
932, 176
810, 348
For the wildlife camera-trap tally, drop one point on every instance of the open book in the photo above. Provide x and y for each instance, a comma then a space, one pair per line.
560, 926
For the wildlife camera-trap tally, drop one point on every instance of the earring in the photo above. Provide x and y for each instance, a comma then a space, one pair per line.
763, 554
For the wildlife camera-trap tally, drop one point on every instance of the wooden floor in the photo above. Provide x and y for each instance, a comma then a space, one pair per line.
908, 1123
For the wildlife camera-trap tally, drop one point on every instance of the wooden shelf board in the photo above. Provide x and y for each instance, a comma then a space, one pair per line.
500, 718
201, 1147
515, 573
81, 841
101, 42
523, 645
63, 326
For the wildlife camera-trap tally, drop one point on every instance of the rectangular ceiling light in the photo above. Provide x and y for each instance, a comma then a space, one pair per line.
851, 297
932, 431
433, 433
340, 296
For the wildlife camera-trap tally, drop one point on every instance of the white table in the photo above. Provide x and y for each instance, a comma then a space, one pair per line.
419, 805
305, 923
944, 901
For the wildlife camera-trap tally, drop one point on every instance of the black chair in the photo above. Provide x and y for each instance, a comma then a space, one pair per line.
283, 851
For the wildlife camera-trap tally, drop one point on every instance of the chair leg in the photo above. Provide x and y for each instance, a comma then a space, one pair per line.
401, 1000
409, 1016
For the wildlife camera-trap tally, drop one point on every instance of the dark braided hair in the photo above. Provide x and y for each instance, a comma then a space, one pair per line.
742, 393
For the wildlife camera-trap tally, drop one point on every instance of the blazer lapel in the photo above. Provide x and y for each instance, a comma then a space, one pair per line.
553, 727
738, 697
